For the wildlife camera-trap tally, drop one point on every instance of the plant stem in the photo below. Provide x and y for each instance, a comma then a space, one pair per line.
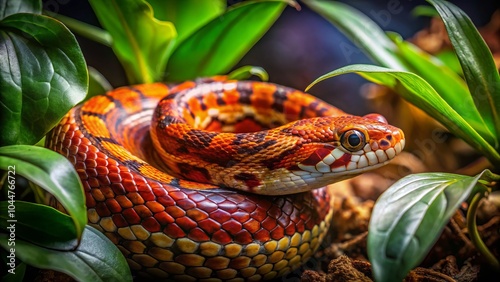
86, 30
474, 233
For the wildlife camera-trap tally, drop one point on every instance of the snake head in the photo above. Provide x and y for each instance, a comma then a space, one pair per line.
344, 147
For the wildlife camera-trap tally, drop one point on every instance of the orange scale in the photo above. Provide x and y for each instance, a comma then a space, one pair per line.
269, 223
80, 156
240, 216
129, 185
89, 201
103, 179
164, 218
177, 195
247, 125
274, 211
259, 214
300, 227
290, 229
118, 188
135, 198
252, 225
102, 171
262, 235
221, 237
216, 198
128, 99
93, 182
131, 216
186, 204
220, 215
154, 206
186, 223
174, 231
86, 186
143, 211
228, 206
99, 105
119, 220
247, 206
209, 225
239, 262
287, 208
283, 220
113, 206
197, 234
210, 100
82, 174
196, 197
147, 195
196, 214
114, 177
102, 209
175, 211
165, 200
73, 149
153, 90
243, 237
232, 226
107, 192
151, 225
278, 233
75, 140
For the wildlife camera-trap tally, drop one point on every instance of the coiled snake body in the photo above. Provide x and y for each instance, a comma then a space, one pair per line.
174, 212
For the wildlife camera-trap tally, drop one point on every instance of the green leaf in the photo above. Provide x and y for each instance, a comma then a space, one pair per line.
448, 84
38, 224
219, 45
10, 7
423, 10
187, 15
418, 92
449, 58
477, 63
361, 30
247, 71
408, 218
43, 76
141, 42
52, 172
98, 84
95, 259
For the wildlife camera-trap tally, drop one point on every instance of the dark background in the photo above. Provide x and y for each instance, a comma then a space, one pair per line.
298, 48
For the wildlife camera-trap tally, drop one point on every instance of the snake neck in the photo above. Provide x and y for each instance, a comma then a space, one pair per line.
249, 136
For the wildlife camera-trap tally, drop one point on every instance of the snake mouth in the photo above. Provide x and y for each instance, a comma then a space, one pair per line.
338, 161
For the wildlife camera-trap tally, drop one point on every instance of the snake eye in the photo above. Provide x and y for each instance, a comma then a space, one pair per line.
353, 140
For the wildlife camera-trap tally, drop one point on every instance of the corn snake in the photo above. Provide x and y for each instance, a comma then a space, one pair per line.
173, 228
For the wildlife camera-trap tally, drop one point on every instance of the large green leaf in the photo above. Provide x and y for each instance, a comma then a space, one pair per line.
95, 259
38, 224
52, 172
418, 92
219, 45
187, 15
448, 84
43, 76
477, 63
141, 42
361, 30
10, 7
408, 218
